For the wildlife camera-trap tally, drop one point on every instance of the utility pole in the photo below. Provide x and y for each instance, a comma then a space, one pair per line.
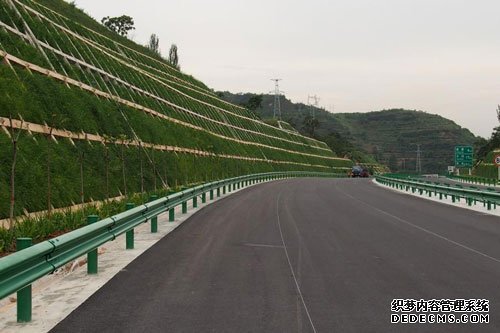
316, 104
277, 95
419, 162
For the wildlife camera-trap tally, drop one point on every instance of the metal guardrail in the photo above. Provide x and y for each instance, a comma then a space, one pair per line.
488, 197
19, 270
475, 180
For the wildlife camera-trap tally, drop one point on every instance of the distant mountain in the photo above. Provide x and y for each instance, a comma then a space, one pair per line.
390, 137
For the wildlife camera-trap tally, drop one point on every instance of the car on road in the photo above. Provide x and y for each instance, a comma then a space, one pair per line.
358, 171
365, 173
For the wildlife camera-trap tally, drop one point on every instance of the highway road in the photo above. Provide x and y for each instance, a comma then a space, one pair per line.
303, 255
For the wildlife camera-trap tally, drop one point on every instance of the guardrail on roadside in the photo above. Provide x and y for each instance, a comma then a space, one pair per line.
487, 197
475, 180
19, 270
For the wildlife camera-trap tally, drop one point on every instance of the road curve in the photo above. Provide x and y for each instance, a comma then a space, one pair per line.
303, 255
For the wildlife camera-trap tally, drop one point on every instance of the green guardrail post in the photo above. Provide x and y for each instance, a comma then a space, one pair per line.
92, 255
223, 191
184, 207
489, 205
195, 202
129, 235
23, 295
171, 214
154, 220
212, 194
204, 197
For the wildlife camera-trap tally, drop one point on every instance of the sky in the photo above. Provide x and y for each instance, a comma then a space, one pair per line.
438, 56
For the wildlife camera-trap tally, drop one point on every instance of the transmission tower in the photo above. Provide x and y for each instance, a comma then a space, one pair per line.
277, 95
498, 112
419, 161
316, 104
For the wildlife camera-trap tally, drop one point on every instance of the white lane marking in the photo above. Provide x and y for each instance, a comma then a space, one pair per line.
290, 265
425, 230
263, 245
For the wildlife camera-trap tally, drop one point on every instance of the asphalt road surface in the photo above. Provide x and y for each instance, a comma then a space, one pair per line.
303, 255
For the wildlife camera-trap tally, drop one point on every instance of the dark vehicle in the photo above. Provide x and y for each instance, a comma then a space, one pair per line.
358, 171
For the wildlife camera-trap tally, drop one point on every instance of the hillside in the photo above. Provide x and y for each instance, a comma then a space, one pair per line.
490, 148
89, 115
389, 137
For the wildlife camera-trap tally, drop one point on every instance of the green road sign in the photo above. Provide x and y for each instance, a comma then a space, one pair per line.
464, 156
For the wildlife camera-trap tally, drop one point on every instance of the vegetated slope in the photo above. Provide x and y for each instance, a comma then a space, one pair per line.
393, 136
389, 136
485, 166
295, 115
94, 116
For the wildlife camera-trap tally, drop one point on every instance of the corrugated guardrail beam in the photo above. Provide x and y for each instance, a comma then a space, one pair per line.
21, 269
475, 179
488, 197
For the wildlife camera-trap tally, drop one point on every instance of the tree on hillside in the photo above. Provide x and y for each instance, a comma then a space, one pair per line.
154, 44
14, 139
340, 145
56, 121
254, 103
489, 145
173, 57
122, 141
310, 125
393, 163
483, 147
120, 24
